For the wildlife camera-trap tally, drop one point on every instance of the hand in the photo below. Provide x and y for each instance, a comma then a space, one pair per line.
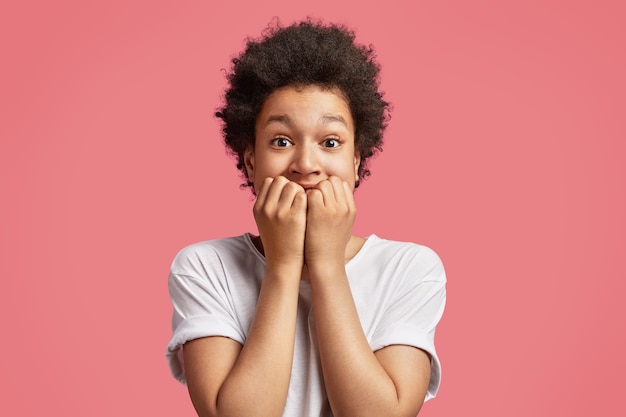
330, 216
280, 215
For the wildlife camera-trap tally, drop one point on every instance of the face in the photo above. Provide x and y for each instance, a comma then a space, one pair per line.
305, 134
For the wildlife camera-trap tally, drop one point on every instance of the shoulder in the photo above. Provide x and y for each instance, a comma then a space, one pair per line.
195, 258
404, 256
394, 249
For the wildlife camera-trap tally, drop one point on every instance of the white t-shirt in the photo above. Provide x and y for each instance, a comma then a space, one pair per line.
398, 289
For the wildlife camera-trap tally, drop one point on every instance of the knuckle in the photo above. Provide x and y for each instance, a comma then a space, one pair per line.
291, 186
281, 180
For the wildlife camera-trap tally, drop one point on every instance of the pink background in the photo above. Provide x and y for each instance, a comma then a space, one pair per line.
506, 154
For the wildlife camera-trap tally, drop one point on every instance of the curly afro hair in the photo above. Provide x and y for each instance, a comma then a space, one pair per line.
304, 53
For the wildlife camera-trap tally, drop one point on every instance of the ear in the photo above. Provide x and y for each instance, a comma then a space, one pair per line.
357, 164
248, 160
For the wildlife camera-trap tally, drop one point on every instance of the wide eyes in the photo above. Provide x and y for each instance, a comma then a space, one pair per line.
331, 143
283, 142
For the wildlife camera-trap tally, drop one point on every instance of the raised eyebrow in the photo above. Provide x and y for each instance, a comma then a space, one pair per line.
279, 118
332, 118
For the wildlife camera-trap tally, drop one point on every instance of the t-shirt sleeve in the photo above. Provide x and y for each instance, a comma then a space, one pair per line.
416, 309
201, 304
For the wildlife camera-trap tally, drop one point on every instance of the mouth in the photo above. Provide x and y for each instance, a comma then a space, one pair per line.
307, 186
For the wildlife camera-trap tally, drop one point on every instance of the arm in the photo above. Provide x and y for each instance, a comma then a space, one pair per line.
359, 382
390, 382
227, 379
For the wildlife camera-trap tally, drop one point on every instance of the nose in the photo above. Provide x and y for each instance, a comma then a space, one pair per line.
305, 161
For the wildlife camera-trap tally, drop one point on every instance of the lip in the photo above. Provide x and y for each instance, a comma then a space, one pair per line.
307, 186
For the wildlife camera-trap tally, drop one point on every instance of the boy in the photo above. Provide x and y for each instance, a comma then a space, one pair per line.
305, 319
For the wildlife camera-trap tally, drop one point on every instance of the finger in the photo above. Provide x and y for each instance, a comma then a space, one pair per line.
288, 192
326, 189
275, 190
300, 202
349, 195
261, 195
338, 190
314, 198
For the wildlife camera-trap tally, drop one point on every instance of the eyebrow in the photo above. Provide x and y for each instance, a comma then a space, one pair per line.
325, 119
331, 118
279, 118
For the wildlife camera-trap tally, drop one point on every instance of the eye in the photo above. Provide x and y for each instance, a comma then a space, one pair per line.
331, 143
281, 142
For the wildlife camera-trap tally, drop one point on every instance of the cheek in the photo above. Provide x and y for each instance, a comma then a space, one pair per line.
348, 170
270, 166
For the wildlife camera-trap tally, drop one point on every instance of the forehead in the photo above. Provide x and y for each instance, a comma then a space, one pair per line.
309, 104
